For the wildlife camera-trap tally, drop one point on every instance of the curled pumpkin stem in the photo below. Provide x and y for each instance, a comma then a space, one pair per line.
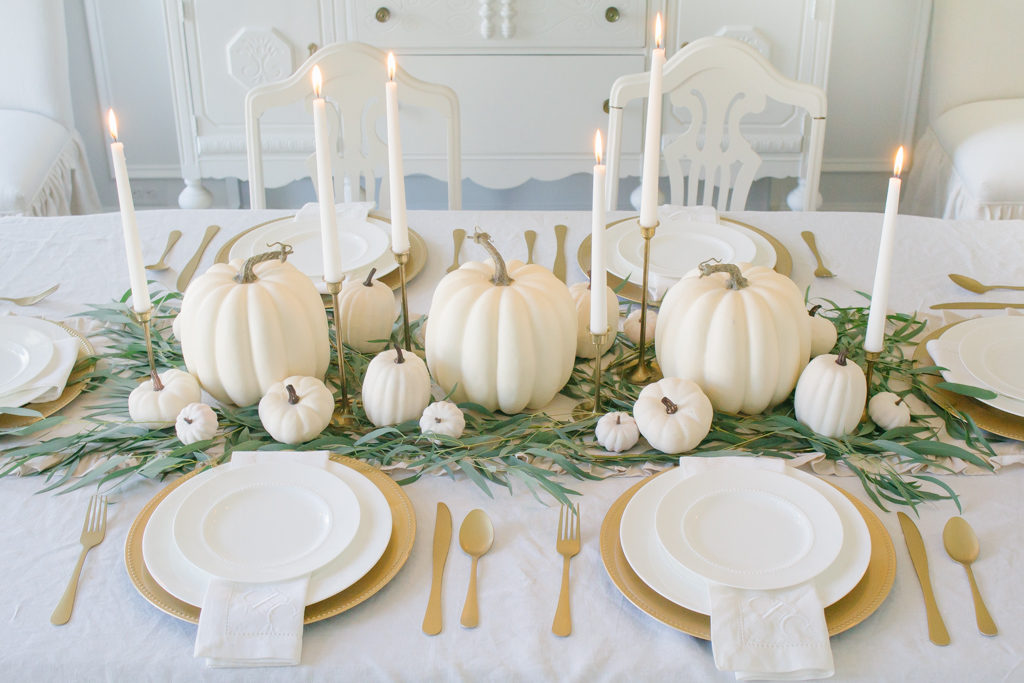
670, 407
841, 358
293, 397
501, 277
246, 274
736, 279
368, 282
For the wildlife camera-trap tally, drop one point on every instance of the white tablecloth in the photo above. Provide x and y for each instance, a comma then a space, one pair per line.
114, 634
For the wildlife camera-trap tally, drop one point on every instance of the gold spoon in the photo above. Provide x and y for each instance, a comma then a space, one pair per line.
962, 545
475, 536
458, 234
972, 285
821, 270
161, 264
531, 240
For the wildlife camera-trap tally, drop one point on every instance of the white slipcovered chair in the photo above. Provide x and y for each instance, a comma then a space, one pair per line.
719, 80
354, 76
43, 168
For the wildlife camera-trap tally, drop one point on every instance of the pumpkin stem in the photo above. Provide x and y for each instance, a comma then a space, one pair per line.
841, 358
501, 277
293, 397
437, 420
368, 282
158, 384
670, 407
399, 358
813, 310
736, 279
618, 419
187, 420
246, 274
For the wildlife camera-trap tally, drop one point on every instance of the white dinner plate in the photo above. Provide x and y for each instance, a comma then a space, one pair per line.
680, 246
957, 372
266, 522
188, 583
653, 565
749, 528
993, 351
24, 353
27, 392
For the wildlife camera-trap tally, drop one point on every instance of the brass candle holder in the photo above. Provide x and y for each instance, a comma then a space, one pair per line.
344, 417
870, 358
145, 320
402, 258
644, 371
590, 407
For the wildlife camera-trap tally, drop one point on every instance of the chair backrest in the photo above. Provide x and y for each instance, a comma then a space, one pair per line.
719, 81
354, 76
34, 52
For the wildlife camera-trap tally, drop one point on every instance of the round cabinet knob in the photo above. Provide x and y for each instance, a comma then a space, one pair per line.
383, 14
611, 15
605, 106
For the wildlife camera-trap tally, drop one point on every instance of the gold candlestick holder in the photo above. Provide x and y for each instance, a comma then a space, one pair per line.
402, 258
644, 371
145, 320
870, 358
343, 417
590, 407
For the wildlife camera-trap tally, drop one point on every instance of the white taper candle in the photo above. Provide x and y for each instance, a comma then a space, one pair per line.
129, 225
875, 335
652, 138
325, 185
396, 175
598, 267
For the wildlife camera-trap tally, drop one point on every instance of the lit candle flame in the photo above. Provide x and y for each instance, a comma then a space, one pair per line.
897, 167
657, 30
112, 124
391, 66
318, 81
598, 147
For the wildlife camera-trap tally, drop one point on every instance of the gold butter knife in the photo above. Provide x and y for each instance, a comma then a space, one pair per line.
531, 240
190, 267
559, 266
458, 234
442, 541
937, 632
972, 305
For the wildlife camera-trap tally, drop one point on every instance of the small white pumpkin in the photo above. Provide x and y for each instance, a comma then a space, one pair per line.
830, 395
442, 417
396, 387
585, 348
296, 409
673, 414
823, 333
617, 432
158, 406
631, 327
196, 422
888, 411
367, 313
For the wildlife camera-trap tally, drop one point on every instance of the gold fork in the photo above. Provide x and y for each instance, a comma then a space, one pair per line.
92, 534
568, 545
29, 300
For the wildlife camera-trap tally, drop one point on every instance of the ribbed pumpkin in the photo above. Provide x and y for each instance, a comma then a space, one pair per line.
830, 395
367, 313
503, 337
740, 332
585, 348
246, 326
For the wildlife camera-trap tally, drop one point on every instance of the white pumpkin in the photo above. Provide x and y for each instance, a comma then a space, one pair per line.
367, 313
160, 407
442, 417
740, 332
617, 432
296, 409
585, 348
631, 327
830, 395
888, 411
823, 333
503, 337
673, 414
246, 326
196, 422
396, 387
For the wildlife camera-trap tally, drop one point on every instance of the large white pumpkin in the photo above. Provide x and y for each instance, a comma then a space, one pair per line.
740, 332
503, 337
246, 326
585, 348
367, 314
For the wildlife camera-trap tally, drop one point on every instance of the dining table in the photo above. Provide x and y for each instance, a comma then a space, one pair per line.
114, 634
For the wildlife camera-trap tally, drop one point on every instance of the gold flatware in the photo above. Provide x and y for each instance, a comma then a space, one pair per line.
821, 270
962, 545
937, 632
92, 534
161, 264
442, 540
970, 305
458, 234
568, 546
29, 300
475, 536
558, 268
972, 285
531, 241
190, 267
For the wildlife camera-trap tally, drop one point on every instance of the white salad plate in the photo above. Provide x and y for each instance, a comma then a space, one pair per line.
680, 246
663, 574
993, 351
24, 353
266, 522
958, 373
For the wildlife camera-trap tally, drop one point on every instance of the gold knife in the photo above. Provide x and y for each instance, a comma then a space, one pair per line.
969, 305
458, 234
442, 541
190, 267
559, 266
937, 632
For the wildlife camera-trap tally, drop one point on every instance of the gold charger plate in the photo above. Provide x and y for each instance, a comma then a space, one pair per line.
985, 416
417, 251
843, 614
403, 532
74, 387
632, 292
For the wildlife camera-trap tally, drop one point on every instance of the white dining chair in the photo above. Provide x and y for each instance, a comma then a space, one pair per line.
354, 77
719, 81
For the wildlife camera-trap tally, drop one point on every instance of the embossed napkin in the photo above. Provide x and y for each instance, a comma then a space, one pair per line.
766, 634
255, 624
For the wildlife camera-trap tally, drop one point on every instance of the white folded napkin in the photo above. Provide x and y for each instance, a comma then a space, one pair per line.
255, 624
49, 384
766, 634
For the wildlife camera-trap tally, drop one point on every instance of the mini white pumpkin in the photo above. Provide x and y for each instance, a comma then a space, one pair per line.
631, 327
673, 414
830, 395
585, 348
396, 387
158, 406
823, 333
888, 411
296, 409
196, 422
367, 313
617, 432
442, 417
